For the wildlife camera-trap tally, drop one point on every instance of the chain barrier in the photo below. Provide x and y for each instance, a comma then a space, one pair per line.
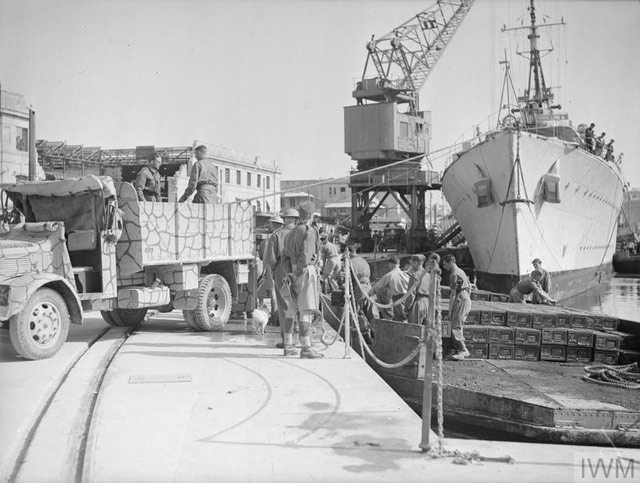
624, 376
439, 368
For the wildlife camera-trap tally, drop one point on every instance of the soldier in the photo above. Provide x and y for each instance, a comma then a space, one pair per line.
418, 302
274, 263
330, 257
391, 288
529, 286
274, 223
459, 305
545, 281
148, 182
301, 250
203, 179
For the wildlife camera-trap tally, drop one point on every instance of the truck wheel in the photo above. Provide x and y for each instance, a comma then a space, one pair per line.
41, 328
129, 317
190, 319
214, 303
107, 315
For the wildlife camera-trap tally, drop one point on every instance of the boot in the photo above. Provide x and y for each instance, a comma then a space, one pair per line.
289, 350
309, 353
462, 352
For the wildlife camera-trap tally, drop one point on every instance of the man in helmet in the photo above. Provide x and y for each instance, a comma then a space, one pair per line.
301, 249
274, 264
274, 224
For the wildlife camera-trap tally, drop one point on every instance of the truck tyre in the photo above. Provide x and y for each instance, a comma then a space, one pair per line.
129, 317
108, 318
190, 319
214, 303
41, 328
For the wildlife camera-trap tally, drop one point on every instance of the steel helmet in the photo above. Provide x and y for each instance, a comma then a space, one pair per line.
290, 212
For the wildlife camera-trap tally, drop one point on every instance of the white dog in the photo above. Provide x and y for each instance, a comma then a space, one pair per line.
259, 319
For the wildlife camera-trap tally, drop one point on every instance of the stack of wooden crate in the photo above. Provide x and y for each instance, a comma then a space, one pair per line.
533, 332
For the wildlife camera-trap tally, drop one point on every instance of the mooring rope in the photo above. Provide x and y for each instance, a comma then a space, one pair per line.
625, 376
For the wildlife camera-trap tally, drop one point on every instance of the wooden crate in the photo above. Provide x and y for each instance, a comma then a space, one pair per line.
556, 336
581, 321
492, 317
526, 352
446, 328
580, 337
628, 356
478, 351
605, 357
502, 335
527, 337
553, 353
518, 319
579, 354
609, 323
476, 333
539, 321
605, 341
474, 316
563, 319
501, 351
480, 295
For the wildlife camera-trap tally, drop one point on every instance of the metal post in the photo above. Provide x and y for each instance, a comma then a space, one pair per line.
427, 351
347, 306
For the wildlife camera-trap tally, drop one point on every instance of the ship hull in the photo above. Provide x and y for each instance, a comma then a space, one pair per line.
574, 234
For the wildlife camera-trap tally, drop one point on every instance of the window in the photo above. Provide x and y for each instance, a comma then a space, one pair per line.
258, 180
248, 179
22, 139
238, 177
6, 136
551, 188
292, 202
483, 192
343, 189
227, 175
404, 129
268, 182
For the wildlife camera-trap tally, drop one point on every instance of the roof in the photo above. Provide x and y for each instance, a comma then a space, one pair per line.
338, 204
91, 183
297, 194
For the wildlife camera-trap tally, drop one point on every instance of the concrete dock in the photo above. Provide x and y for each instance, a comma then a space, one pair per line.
181, 406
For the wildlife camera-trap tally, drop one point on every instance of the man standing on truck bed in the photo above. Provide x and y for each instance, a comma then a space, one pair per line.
301, 249
203, 179
147, 182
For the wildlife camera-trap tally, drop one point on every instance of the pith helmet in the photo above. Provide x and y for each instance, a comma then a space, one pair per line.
290, 212
276, 219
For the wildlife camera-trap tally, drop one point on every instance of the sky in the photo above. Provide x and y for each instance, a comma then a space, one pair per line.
270, 78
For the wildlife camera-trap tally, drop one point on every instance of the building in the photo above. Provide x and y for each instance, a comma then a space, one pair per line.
15, 119
242, 176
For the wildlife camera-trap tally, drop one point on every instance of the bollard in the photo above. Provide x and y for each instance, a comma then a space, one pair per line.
427, 357
347, 306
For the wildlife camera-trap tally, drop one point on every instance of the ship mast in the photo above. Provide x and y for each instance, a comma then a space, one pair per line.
537, 97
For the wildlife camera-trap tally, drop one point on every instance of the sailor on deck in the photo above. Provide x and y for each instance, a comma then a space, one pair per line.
330, 257
609, 151
391, 288
600, 142
589, 136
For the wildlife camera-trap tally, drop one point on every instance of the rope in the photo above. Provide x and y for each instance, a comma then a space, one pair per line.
440, 382
366, 347
324, 306
624, 376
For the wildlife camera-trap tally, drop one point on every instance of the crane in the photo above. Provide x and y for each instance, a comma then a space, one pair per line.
386, 124
405, 57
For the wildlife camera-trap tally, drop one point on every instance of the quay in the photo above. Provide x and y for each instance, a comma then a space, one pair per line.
177, 405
